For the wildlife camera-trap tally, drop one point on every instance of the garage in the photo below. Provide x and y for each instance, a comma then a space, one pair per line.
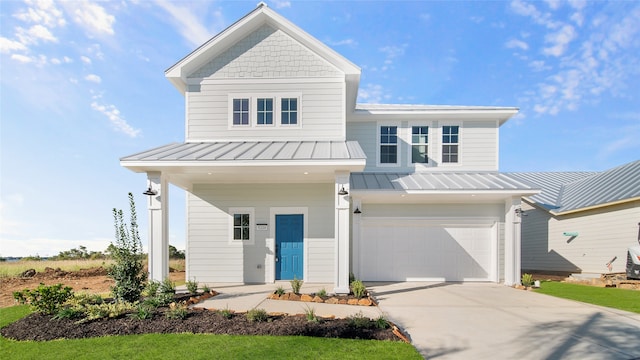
425, 249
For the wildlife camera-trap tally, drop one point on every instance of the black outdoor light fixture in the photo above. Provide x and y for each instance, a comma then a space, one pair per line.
150, 192
343, 191
357, 211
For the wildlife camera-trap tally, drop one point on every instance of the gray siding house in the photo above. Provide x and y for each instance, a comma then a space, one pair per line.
287, 176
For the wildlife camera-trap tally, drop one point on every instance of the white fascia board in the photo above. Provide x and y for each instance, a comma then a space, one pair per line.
501, 115
508, 193
358, 164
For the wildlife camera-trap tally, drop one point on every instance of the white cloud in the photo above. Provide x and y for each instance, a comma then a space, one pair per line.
343, 42
527, 9
92, 17
34, 34
553, 4
516, 44
116, 120
22, 58
8, 45
93, 78
539, 65
85, 59
372, 94
559, 41
42, 12
282, 4
14, 246
187, 22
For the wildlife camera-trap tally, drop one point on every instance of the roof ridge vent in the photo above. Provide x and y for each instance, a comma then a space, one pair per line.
261, 4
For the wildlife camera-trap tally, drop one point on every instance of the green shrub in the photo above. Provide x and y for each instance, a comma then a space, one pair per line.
322, 293
257, 315
527, 280
310, 314
226, 313
206, 288
177, 311
44, 299
296, 284
352, 277
107, 310
152, 288
143, 311
69, 312
358, 289
359, 321
192, 286
280, 291
382, 322
127, 270
167, 287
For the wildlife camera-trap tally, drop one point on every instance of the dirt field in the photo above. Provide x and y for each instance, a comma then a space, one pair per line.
93, 280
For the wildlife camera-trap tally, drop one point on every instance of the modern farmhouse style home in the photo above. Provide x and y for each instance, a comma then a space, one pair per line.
286, 176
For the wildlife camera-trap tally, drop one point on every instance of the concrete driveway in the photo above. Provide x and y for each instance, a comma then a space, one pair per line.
491, 321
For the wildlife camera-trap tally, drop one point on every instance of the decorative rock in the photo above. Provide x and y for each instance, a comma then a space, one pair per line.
28, 273
364, 302
352, 301
285, 296
342, 301
274, 296
306, 298
331, 301
317, 299
294, 297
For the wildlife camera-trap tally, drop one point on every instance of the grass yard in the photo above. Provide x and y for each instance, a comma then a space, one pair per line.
198, 346
622, 299
15, 268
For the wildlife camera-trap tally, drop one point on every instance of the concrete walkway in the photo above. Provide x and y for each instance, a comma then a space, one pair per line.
241, 297
491, 321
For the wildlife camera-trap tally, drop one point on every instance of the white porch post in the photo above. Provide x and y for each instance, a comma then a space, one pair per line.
342, 234
512, 238
158, 206
355, 238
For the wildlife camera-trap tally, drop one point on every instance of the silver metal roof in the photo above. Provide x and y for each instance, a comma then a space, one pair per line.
569, 191
439, 181
251, 150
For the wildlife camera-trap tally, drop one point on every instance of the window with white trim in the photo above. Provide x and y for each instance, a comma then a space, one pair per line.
450, 144
265, 111
241, 112
289, 111
388, 145
241, 225
419, 144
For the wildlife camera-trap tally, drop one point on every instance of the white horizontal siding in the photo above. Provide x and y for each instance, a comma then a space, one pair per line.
479, 145
604, 233
321, 111
210, 256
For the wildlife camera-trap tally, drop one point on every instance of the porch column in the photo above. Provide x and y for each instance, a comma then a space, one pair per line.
342, 234
512, 240
158, 227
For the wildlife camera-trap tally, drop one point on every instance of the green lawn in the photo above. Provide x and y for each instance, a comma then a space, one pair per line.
628, 300
198, 346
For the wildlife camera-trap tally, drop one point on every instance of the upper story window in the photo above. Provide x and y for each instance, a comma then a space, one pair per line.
450, 144
265, 111
419, 144
272, 110
289, 111
388, 145
240, 112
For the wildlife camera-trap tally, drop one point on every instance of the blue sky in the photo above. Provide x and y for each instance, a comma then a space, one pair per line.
82, 84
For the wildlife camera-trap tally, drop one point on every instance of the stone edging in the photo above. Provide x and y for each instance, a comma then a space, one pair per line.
343, 300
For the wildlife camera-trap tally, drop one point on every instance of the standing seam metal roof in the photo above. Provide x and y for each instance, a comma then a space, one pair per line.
438, 181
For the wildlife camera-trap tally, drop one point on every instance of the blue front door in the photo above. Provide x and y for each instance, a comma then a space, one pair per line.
289, 241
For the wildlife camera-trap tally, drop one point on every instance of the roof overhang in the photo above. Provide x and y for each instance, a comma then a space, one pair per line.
368, 112
179, 72
535, 204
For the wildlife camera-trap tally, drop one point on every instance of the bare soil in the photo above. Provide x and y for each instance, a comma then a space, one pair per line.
40, 327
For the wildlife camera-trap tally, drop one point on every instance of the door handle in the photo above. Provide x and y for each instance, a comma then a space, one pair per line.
276, 259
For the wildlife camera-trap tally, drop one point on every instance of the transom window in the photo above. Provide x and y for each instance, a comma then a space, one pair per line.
265, 111
289, 111
240, 111
388, 144
419, 144
450, 143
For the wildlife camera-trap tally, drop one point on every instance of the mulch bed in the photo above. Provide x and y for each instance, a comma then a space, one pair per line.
42, 327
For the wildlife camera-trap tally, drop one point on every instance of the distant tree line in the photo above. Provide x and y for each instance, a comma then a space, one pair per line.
81, 253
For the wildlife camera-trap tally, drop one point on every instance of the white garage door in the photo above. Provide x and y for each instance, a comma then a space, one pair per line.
423, 250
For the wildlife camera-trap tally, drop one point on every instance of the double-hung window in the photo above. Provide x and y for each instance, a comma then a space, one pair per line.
450, 144
241, 228
419, 144
265, 111
289, 111
388, 145
241, 112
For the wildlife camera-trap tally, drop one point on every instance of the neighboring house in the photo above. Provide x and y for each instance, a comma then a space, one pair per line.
286, 176
581, 222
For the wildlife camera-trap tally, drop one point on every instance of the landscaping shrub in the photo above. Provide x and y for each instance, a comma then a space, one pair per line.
177, 311
527, 280
358, 289
280, 291
107, 310
167, 287
206, 288
127, 270
359, 321
310, 314
296, 284
143, 311
382, 322
152, 288
322, 293
257, 315
226, 313
192, 286
44, 299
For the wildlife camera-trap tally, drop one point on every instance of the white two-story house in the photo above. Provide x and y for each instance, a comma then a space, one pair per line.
286, 176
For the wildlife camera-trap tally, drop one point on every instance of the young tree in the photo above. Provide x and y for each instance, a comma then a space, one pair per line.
127, 270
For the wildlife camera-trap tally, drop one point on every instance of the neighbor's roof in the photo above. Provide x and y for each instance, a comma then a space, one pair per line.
250, 151
565, 192
439, 181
